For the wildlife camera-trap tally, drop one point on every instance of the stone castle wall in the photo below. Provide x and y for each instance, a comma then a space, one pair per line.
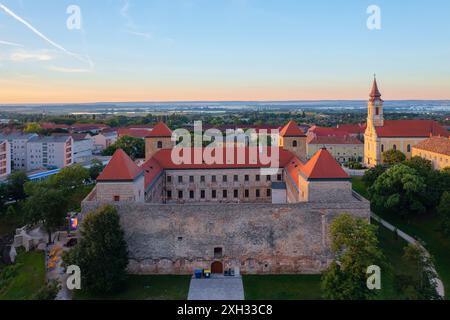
257, 238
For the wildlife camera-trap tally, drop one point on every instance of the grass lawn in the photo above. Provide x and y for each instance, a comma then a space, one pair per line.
282, 287
359, 186
147, 288
25, 278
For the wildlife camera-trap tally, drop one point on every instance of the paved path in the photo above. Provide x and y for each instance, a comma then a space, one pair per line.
216, 288
439, 284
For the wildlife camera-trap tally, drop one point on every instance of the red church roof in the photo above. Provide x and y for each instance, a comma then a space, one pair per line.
411, 128
120, 168
160, 130
323, 166
292, 130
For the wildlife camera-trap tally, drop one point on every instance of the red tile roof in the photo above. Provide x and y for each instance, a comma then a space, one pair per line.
435, 144
120, 168
323, 166
292, 130
160, 130
135, 133
411, 128
325, 131
353, 128
152, 170
52, 126
164, 158
333, 140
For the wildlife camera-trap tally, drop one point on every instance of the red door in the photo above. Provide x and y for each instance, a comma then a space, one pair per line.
217, 268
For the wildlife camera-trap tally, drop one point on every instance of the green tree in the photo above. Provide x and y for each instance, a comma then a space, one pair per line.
371, 175
15, 185
398, 190
392, 157
46, 206
69, 178
101, 252
33, 127
444, 212
95, 169
134, 147
421, 165
355, 246
419, 281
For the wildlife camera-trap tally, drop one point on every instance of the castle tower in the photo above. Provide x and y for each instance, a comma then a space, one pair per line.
293, 138
159, 138
375, 107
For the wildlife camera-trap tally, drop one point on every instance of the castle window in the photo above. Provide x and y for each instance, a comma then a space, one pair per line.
247, 177
202, 178
203, 194
214, 194
180, 194
236, 193
269, 178
258, 193
218, 253
269, 192
169, 194
394, 147
247, 193
279, 177
191, 179
377, 111
225, 179
191, 194
236, 178
160, 144
116, 198
258, 177
213, 179
295, 143
408, 148
180, 179
224, 194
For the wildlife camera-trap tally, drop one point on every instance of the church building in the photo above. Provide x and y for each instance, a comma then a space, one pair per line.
382, 135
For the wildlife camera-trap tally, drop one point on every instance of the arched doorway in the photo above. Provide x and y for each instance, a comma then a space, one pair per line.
217, 267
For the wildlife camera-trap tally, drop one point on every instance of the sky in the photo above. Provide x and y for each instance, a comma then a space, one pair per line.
221, 50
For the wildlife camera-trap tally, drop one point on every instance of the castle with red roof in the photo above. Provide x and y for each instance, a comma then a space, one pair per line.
382, 135
237, 174
227, 207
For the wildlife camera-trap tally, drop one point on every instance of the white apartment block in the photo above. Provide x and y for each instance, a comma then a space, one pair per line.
18, 144
50, 152
5, 158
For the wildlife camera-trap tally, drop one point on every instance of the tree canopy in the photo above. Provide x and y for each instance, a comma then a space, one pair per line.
392, 156
101, 253
399, 190
355, 246
134, 147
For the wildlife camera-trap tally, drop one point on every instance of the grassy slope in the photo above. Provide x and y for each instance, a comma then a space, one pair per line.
148, 288
28, 279
425, 228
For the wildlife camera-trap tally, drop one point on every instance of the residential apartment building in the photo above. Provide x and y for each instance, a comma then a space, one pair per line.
50, 152
5, 158
435, 149
104, 140
18, 142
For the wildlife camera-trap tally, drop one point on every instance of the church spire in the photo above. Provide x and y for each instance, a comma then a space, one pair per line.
375, 93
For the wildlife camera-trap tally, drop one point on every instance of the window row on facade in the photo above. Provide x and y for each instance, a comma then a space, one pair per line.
223, 178
218, 194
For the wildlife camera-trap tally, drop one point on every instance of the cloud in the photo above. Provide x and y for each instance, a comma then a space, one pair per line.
12, 44
69, 70
29, 56
145, 35
44, 37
